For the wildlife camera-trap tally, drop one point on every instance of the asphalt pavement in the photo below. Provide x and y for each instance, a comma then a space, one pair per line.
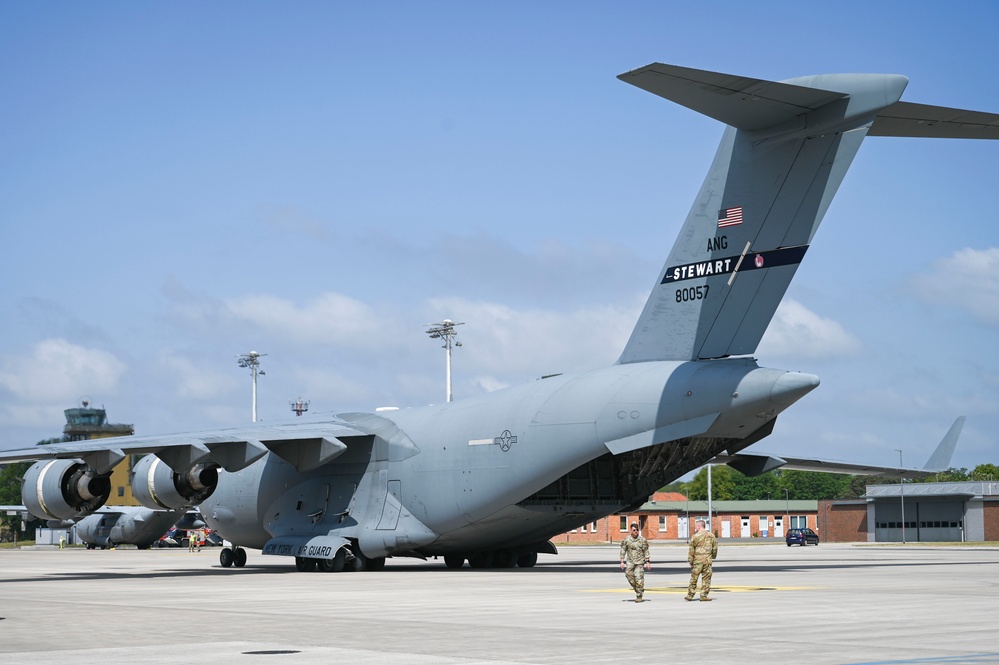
836, 604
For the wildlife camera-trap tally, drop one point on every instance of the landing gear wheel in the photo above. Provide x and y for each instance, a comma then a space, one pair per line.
376, 563
226, 557
336, 564
304, 565
527, 560
454, 561
360, 562
481, 560
240, 557
504, 559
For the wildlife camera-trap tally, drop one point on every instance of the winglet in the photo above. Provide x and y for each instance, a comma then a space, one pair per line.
940, 459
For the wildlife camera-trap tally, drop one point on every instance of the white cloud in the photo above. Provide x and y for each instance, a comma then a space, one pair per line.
60, 372
531, 342
194, 381
289, 219
329, 319
798, 332
489, 383
968, 280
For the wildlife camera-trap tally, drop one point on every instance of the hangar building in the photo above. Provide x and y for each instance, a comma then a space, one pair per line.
933, 512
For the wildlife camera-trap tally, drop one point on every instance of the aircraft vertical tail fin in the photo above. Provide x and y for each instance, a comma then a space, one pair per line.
781, 160
940, 459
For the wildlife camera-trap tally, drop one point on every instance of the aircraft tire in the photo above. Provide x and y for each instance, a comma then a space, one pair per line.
504, 559
527, 560
336, 564
304, 565
240, 557
226, 557
454, 561
360, 562
481, 560
376, 563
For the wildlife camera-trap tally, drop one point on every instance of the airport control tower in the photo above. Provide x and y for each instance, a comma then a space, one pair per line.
87, 422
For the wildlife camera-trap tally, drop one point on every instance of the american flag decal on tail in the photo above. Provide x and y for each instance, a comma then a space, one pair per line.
729, 217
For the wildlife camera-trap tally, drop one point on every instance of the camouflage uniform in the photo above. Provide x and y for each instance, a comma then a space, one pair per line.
702, 551
635, 554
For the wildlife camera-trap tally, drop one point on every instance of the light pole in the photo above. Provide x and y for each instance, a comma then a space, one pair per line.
709, 500
252, 360
687, 534
445, 331
787, 509
901, 492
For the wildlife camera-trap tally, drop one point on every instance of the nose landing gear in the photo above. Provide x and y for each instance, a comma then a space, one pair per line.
232, 557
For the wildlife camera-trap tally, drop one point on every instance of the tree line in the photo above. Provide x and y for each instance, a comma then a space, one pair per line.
727, 484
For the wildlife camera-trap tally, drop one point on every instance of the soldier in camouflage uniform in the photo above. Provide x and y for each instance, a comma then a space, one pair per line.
635, 560
702, 551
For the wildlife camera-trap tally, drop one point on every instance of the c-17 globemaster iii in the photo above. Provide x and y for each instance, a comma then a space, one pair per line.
110, 526
492, 478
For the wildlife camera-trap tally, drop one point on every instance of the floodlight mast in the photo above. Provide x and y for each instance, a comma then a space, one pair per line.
299, 406
901, 493
445, 331
252, 360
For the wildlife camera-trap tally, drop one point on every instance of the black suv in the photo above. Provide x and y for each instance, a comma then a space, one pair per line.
801, 537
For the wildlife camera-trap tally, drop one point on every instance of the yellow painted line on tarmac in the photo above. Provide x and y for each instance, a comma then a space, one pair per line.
714, 589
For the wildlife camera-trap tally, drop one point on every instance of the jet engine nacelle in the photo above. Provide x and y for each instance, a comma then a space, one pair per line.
155, 485
63, 489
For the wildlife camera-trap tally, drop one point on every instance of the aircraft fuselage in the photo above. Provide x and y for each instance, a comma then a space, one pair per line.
438, 478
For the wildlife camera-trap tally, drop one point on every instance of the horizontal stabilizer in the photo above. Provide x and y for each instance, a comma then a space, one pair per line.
738, 101
934, 122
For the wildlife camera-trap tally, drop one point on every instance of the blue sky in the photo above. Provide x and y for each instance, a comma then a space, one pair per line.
185, 182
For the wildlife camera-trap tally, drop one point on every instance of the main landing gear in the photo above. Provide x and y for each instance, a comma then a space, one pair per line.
232, 557
492, 559
344, 559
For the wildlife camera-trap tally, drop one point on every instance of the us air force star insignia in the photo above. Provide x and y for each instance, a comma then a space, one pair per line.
505, 440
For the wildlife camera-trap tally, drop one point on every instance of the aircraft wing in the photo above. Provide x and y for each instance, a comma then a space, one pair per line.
755, 464
751, 464
306, 446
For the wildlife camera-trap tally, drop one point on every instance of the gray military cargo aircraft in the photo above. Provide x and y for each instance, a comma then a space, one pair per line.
491, 478
110, 526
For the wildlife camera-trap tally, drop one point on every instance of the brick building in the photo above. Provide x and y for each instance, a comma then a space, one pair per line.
670, 516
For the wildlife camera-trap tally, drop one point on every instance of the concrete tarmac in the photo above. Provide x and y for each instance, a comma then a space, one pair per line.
836, 604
